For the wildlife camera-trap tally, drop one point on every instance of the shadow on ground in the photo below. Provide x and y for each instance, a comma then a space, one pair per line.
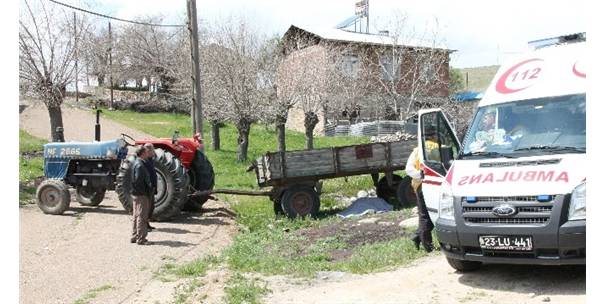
558, 280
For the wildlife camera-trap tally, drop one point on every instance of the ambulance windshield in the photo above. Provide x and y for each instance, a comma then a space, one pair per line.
530, 127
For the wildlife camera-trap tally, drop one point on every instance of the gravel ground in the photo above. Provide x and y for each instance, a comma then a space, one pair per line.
432, 280
64, 257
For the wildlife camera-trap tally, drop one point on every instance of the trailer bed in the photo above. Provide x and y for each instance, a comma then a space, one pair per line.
283, 168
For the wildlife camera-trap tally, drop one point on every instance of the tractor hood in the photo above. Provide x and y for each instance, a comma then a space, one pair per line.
110, 149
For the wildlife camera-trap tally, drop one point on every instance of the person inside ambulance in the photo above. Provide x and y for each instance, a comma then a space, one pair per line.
488, 133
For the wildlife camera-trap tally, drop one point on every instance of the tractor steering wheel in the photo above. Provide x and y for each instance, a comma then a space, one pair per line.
130, 141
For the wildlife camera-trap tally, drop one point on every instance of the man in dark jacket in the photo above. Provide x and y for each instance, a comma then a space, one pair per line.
142, 190
149, 165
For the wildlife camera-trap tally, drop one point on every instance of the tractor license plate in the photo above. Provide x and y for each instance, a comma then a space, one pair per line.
507, 243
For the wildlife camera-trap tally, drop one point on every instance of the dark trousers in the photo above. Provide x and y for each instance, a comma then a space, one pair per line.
140, 220
425, 225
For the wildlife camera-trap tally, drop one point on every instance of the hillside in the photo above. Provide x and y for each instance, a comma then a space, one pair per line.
479, 77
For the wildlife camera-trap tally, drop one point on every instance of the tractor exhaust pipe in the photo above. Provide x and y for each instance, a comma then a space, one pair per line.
98, 128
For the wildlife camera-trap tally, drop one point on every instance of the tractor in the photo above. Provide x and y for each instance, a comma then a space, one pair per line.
92, 168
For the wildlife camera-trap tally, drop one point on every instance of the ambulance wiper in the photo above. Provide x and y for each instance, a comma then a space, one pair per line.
491, 154
552, 148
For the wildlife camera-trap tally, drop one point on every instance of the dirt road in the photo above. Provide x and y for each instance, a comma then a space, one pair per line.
79, 124
432, 280
62, 258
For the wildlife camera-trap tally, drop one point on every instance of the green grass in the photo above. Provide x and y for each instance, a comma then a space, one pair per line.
91, 294
229, 173
274, 252
29, 167
29, 143
479, 77
266, 244
244, 290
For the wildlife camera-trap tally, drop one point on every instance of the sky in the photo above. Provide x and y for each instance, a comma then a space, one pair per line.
482, 32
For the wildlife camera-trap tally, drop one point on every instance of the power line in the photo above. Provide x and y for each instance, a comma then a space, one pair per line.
115, 18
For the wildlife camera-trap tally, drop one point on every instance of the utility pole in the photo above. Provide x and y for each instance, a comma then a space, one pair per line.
111, 75
76, 54
367, 15
195, 59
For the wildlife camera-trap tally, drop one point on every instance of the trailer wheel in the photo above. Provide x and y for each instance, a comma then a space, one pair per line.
172, 185
300, 201
52, 196
406, 195
462, 265
88, 196
387, 192
201, 178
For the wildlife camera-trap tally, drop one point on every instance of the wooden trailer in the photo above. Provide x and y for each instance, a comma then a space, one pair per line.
295, 175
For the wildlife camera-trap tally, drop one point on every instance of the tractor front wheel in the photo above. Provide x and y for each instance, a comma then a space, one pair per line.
53, 196
88, 196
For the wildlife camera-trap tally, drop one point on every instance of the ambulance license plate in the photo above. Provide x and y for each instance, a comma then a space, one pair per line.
507, 243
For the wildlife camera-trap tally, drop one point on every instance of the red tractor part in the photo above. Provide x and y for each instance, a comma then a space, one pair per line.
182, 169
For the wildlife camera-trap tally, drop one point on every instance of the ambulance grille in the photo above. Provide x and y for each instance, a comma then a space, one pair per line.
529, 210
538, 220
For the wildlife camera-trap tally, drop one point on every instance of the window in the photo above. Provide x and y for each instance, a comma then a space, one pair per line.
389, 70
440, 145
350, 65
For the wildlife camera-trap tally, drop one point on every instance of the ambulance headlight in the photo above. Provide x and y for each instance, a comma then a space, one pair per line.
446, 202
577, 203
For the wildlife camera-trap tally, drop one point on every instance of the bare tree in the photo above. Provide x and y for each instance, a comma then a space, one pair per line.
303, 85
235, 68
46, 56
411, 66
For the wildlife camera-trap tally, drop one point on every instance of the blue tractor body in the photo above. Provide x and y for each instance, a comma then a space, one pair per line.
59, 155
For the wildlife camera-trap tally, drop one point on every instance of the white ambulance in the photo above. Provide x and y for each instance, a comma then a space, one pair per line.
514, 192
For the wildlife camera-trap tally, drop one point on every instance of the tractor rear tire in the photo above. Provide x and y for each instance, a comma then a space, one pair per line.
88, 196
172, 185
53, 196
201, 178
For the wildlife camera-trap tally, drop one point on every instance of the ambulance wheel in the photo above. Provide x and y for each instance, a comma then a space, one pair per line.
52, 196
88, 196
462, 265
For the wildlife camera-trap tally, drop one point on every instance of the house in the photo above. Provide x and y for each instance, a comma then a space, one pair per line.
344, 75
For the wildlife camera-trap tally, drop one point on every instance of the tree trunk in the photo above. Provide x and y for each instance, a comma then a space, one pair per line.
56, 120
216, 140
243, 131
311, 120
281, 133
100, 79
